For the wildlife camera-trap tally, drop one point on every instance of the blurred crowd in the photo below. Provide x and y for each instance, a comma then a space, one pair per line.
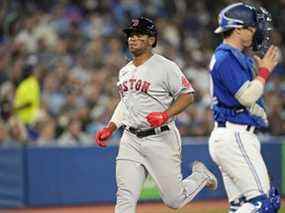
76, 48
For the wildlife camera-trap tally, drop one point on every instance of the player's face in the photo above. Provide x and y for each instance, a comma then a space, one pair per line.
247, 34
139, 43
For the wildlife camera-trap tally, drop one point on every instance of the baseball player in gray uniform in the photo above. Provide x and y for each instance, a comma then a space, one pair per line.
153, 91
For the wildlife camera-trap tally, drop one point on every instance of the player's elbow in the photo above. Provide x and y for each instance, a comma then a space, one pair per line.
189, 98
249, 93
247, 102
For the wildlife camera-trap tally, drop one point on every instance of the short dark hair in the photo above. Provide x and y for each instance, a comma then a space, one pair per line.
228, 33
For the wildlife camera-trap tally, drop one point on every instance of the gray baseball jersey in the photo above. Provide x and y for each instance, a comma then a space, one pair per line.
150, 87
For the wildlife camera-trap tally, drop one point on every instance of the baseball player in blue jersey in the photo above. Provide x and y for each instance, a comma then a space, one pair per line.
237, 84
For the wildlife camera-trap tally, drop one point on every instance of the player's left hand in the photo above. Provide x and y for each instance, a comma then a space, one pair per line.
156, 119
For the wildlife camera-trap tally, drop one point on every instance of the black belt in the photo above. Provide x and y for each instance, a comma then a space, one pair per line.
147, 132
248, 127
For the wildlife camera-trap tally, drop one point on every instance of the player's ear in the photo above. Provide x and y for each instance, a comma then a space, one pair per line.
238, 31
151, 40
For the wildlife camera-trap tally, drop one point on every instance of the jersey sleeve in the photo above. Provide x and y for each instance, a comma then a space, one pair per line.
232, 75
118, 115
119, 84
177, 82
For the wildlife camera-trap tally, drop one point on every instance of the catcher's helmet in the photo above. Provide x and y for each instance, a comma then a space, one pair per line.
142, 25
236, 15
240, 15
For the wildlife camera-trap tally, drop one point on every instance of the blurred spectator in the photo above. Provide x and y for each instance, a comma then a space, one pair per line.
17, 131
6, 100
47, 132
27, 96
4, 57
74, 136
26, 104
52, 98
26, 36
5, 140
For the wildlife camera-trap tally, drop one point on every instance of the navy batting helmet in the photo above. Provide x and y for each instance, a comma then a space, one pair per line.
240, 15
143, 26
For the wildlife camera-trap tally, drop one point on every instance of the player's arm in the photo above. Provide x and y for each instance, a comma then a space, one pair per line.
180, 104
180, 89
22, 106
114, 123
117, 117
251, 91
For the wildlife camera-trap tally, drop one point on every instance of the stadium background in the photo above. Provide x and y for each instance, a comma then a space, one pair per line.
76, 49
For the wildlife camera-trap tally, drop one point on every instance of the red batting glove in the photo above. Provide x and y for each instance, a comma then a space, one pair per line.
102, 135
156, 119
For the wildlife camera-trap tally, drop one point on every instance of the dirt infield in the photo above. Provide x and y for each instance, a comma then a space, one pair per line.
142, 208
217, 206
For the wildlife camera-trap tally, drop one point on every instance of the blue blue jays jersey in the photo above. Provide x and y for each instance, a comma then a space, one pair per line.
230, 69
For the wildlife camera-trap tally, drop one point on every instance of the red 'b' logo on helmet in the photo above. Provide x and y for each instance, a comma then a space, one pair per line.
135, 22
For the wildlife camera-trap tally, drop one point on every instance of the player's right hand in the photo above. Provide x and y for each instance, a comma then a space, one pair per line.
270, 59
102, 135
